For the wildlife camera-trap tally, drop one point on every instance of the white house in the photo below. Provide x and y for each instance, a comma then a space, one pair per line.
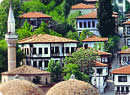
126, 32
87, 22
121, 80
100, 76
124, 57
95, 42
40, 49
83, 8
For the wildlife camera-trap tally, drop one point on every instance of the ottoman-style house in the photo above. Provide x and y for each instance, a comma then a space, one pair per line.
40, 49
95, 42
35, 18
23, 72
121, 80
100, 75
124, 57
83, 8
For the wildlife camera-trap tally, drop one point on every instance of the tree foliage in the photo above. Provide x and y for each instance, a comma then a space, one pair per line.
55, 69
70, 69
106, 21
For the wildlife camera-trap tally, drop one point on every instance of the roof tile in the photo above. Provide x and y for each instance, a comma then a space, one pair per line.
99, 64
83, 6
126, 51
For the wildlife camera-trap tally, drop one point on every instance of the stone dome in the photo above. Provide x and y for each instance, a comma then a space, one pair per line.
72, 87
20, 87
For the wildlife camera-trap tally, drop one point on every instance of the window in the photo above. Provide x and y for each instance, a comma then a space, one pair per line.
118, 89
124, 59
80, 24
27, 51
128, 58
120, 1
40, 63
99, 71
34, 50
104, 59
127, 89
128, 42
128, 30
122, 78
93, 24
72, 49
56, 49
40, 50
67, 49
122, 89
85, 25
34, 63
46, 63
86, 46
89, 24
52, 50
46, 50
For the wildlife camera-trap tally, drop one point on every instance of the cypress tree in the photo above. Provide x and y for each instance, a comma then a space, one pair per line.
106, 21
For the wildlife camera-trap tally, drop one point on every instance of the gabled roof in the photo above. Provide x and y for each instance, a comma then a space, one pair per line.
91, 0
26, 70
126, 51
122, 70
99, 64
34, 15
45, 38
89, 15
127, 23
83, 6
95, 39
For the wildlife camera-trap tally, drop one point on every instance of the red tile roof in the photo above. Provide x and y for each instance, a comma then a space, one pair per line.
127, 22
94, 15
99, 64
83, 6
126, 51
95, 39
103, 53
26, 70
34, 15
45, 38
89, 15
122, 70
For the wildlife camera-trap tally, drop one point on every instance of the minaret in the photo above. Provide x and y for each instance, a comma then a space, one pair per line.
11, 39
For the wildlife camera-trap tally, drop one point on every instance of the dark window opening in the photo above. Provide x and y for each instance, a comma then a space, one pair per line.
52, 50
99, 71
72, 49
89, 24
93, 23
56, 49
85, 25
67, 49
46, 63
122, 89
40, 50
62, 49
118, 89
80, 24
127, 89
34, 63
122, 78
34, 50
40, 63
46, 50
124, 58
86, 46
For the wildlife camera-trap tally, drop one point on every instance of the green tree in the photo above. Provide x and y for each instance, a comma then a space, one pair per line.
55, 69
70, 69
72, 35
84, 34
127, 6
124, 47
84, 57
106, 21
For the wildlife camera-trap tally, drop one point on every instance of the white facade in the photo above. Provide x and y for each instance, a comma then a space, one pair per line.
122, 84
87, 24
99, 78
38, 55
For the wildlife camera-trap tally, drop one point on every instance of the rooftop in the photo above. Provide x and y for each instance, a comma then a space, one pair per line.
26, 70
45, 38
83, 6
103, 53
99, 64
95, 39
122, 70
34, 15
126, 23
126, 51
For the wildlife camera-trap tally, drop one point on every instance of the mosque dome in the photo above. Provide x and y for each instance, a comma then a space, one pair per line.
20, 87
72, 87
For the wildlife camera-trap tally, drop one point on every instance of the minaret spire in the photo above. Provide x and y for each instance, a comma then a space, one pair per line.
11, 39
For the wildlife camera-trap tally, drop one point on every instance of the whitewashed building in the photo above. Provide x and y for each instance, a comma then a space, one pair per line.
95, 42
124, 57
83, 8
100, 76
40, 49
121, 80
